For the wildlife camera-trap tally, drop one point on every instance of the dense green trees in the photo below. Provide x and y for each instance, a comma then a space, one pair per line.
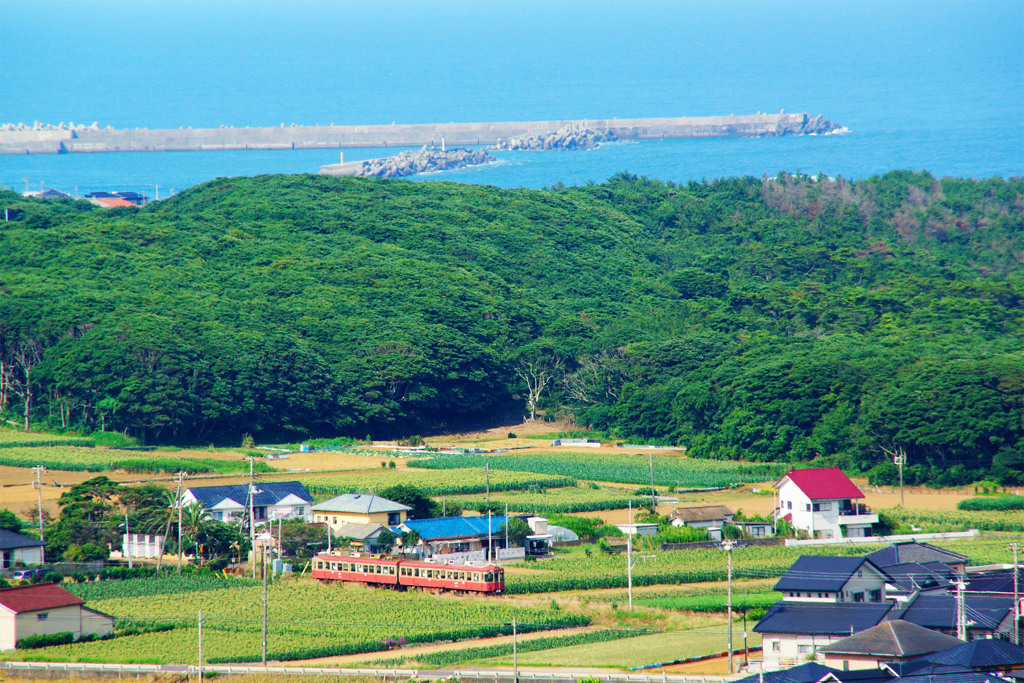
782, 318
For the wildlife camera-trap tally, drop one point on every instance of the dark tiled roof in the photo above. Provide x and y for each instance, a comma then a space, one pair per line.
819, 573
825, 483
812, 672
442, 528
939, 611
835, 619
980, 654
998, 581
270, 493
10, 540
912, 551
911, 576
894, 639
947, 674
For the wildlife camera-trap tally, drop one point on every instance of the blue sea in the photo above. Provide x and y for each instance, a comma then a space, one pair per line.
922, 84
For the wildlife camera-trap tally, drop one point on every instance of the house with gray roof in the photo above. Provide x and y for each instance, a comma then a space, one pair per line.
359, 508
271, 500
793, 631
889, 641
919, 553
15, 547
821, 578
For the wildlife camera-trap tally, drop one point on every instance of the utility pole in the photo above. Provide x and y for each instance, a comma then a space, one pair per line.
252, 517
487, 475
899, 458
1016, 596
961, 617
630, 563
488, 535
515, 654
200, 646
506, 525
264, 603
728, 545
39, 469
180, 476
654, 498
128, 539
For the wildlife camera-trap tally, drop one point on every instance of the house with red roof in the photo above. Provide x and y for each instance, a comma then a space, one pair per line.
46, 609
824, 503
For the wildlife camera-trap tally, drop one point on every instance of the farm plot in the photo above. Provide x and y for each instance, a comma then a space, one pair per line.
536, 500
957, 520
90, 459
11, 439
626, 468
432, 482
306, 620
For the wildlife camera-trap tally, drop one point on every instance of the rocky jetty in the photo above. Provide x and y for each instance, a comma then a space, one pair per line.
572, 137
425, 160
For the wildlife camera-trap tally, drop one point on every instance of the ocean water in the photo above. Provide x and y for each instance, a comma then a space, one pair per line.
921, 84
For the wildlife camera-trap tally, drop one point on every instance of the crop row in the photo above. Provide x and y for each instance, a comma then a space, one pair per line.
561, 500
167, 584
71, 458
623, 468
995, 503
434, 483
956, 520
29, 440
741, 602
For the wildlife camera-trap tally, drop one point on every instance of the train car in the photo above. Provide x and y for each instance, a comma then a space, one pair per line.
455, 577
361, 569
408, 574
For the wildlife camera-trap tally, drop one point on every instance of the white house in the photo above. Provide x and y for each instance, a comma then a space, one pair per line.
359, 508
46, 609
271, 500
824, 503
16, 548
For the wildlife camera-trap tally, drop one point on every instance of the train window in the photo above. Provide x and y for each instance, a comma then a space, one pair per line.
430, 573
462, 576
488, 577
416, 572
378, 569
346, 567
476, 576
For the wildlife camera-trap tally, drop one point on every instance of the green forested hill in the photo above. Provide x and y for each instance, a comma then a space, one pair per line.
770, 319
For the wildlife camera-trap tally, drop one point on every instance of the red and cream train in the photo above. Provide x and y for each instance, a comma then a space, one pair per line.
387, 571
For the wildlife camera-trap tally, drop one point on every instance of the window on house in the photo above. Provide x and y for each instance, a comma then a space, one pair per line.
858, 596
819, 507
804, 649
808, 506
789, 504
776, 646
394, 518
876, 595
43, 616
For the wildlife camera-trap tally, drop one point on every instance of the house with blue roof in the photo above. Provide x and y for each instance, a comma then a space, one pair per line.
271, 500
448, 535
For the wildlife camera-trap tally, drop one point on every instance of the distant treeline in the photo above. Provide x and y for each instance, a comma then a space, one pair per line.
774, 319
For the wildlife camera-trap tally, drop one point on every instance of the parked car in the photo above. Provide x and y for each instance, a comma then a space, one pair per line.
28, 574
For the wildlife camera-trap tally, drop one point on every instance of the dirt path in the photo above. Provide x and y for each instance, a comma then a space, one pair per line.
412, 652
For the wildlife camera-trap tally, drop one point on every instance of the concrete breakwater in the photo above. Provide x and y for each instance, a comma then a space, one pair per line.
425, 160
19, 139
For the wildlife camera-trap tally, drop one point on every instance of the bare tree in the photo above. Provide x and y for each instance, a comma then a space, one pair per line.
26, 355
538, 374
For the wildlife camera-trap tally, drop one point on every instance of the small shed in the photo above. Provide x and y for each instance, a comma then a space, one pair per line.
46, 609
703, 516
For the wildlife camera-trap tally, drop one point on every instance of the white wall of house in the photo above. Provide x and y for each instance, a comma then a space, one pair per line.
30, 555
822, 518
866, 585
73, 618
781, 650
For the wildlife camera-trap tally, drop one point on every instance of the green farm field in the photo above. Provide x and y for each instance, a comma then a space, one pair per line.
543, 501
91, 459
624, 467
307, 620
464, 480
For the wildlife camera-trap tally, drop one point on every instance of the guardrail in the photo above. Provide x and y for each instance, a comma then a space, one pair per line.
54, 669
